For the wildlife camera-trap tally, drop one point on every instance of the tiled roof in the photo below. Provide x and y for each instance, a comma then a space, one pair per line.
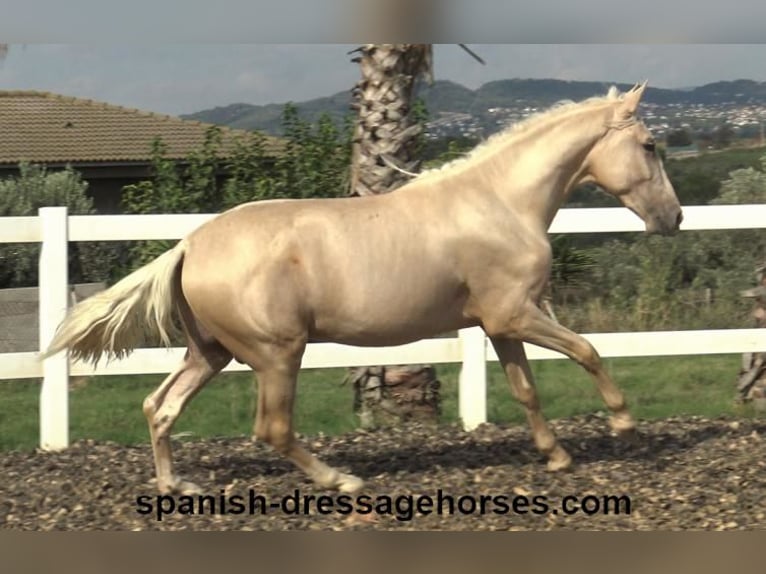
42, 127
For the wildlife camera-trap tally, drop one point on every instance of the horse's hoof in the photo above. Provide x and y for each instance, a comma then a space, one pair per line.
187, 488
622, 422
349, 483
181, 487
559, 460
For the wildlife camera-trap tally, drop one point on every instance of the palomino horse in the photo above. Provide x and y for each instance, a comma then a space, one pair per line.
456, 247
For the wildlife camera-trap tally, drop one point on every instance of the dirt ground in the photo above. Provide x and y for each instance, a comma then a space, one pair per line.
684, 473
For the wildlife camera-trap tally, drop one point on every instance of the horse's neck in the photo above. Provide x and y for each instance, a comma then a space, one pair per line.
536, 173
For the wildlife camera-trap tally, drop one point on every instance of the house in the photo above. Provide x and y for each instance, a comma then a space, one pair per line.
109, 145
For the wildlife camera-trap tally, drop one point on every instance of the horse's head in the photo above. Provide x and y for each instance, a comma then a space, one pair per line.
626, 164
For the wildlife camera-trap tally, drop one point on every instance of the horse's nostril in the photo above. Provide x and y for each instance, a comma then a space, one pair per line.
679, 218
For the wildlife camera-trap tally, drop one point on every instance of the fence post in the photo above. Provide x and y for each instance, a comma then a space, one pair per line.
53, 301
472, 390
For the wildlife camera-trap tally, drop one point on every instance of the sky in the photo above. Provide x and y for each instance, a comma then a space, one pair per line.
184, 78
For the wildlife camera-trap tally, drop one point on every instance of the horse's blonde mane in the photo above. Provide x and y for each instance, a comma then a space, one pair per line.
519, 129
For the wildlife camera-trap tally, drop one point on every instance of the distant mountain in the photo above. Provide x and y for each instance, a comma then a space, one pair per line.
268, 118
737, 91
450, 97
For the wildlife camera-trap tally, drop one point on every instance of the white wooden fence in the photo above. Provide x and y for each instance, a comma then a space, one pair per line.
54, 229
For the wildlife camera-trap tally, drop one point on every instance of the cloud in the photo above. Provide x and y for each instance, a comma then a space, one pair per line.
254, 83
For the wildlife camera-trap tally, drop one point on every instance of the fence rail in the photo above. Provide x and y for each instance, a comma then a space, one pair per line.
54, 229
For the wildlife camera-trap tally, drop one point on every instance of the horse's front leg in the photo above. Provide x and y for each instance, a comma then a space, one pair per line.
534, 326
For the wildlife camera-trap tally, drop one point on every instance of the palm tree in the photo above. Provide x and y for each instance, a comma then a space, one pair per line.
384, 155
386, 128
386, 135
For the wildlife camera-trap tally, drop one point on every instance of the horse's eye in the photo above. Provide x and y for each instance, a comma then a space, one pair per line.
649, 146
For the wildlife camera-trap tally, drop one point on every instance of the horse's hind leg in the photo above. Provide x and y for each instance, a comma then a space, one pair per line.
276, 370
514, 361
540, 330
204, 358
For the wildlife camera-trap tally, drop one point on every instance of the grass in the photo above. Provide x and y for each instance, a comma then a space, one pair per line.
109, 408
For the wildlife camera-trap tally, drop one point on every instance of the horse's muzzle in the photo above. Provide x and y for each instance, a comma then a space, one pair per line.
676, 226
666, 226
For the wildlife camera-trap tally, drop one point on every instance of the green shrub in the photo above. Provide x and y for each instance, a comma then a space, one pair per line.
23, 195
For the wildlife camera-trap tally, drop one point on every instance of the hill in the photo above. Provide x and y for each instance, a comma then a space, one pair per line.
446, 97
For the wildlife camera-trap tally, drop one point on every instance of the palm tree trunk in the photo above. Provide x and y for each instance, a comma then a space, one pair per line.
751, 382
387, 135
385, 128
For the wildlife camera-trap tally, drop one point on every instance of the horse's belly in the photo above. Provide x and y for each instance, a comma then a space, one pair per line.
388, 322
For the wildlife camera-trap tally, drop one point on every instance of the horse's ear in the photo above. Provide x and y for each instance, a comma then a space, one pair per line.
631, 99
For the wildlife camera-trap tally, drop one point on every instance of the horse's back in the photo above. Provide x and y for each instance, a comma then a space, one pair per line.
353, 270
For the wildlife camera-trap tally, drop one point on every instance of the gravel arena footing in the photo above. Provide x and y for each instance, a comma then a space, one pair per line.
683, 473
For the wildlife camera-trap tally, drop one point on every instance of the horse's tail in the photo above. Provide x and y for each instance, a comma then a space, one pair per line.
117, 320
